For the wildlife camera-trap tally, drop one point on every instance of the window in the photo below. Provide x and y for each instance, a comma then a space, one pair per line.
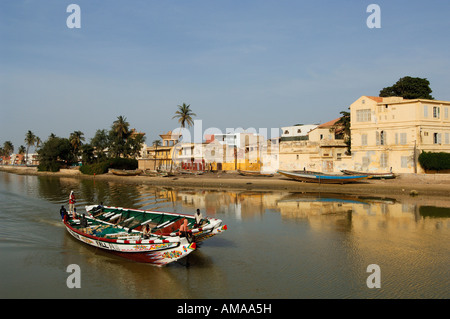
286, 132
338, 156
436, 112
365, 161
425, 111
381, 138
384, 160
364, 139
437, 138
396, 138
299, 131
363, 115
447, 138
404, 160
403, 138
297, 156
446, 113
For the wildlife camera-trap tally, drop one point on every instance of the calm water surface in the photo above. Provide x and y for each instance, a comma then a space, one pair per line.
278, 245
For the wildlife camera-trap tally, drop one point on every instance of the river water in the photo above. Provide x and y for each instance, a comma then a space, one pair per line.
278, 245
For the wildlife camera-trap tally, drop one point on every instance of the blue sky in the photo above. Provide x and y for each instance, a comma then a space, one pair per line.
248, 63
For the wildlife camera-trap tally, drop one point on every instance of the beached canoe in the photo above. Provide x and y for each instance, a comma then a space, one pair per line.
254, 173
124, 172
323, 178
372, 175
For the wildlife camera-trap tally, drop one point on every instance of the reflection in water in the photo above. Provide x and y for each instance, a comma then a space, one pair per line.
278, 244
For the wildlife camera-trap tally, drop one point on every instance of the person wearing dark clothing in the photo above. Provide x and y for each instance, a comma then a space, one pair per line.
83, 221
63, 213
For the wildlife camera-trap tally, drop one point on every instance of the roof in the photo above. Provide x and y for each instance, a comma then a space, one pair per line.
329, 123
377, 99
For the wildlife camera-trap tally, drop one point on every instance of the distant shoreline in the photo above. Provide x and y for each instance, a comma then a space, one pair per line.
435, 185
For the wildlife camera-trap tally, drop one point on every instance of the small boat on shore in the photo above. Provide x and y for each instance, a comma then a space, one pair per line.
120, 231
254, 173
372, 175
124, 172
323, 178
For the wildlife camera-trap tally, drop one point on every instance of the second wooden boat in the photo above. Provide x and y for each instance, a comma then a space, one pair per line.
254, 173
372, 175
323, 178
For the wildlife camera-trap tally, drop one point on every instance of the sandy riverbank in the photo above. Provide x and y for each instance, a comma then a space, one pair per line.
425, 185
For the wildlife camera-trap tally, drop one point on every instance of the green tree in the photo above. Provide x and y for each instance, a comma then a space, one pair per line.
342, 129
53, 153
134, 145
87, 154
8, 148
30, 140
409, 88
101, 143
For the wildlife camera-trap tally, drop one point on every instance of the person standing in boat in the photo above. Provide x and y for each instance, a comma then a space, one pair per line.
63, 213
71, 201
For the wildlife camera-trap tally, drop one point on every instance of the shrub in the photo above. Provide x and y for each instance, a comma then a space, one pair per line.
434, 161
102, 167
97, 168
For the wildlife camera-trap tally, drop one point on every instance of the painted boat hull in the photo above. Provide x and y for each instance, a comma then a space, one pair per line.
323, 178
159, 252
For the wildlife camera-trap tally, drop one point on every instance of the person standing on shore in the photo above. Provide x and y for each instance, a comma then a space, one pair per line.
71, 201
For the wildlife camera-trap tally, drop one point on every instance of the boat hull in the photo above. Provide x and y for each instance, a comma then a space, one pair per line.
159, 252
323, 178
372, 175
254, 173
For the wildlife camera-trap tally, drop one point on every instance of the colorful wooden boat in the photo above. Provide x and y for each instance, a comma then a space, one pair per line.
120, 231
372, 175
254, 173
323, 178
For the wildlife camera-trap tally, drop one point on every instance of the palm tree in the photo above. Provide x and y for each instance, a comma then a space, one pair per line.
119, 134
156, 143
22, 151
75, 140
38, 141
8, 148
120, 127
184, 115
30, 139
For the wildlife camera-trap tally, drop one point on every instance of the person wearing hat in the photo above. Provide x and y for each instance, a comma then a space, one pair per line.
71, 201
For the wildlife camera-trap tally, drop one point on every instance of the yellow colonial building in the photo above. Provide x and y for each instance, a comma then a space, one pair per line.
391, 132
160, 157
319, 147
